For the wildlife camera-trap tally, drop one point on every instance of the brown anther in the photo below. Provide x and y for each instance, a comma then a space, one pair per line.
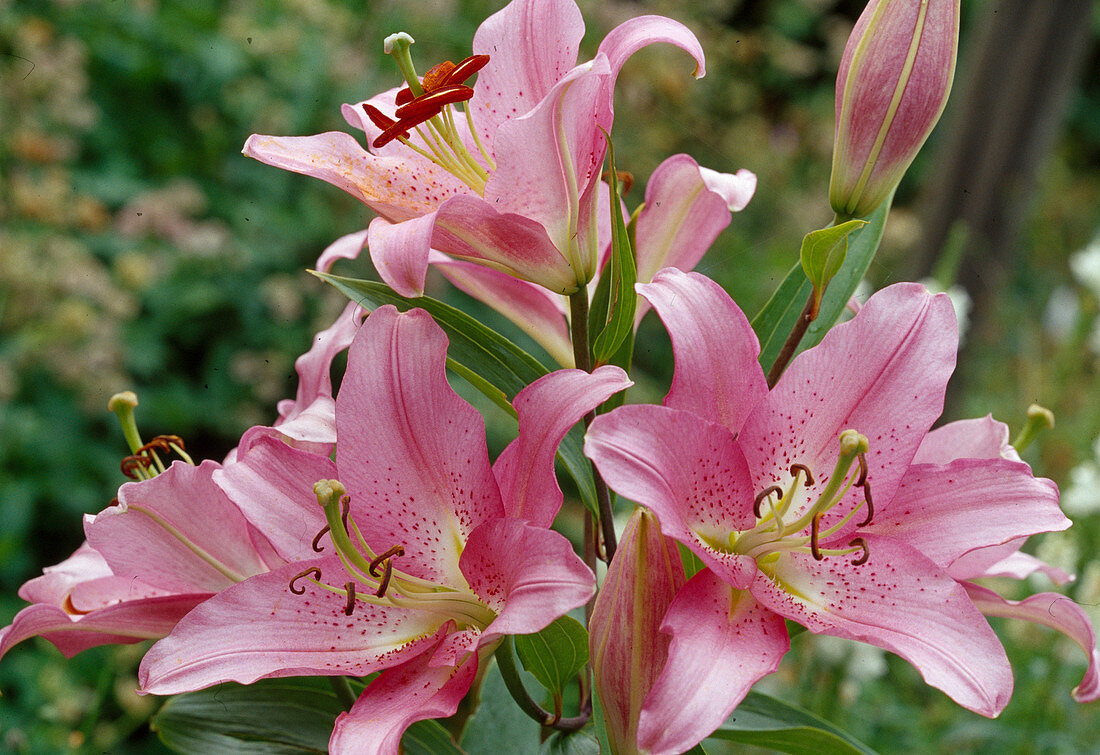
862, 471
350, 605
625, 179
815, 525
762, 495
429, 104
171, 440
301, 575
345, 506
387, 572
866, 551
870, 504
131, 463
316, 544
796, 468
396, 550
466, 69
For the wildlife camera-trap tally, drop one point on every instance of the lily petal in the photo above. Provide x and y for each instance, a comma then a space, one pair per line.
154, 534
1051, 610
641, 31
717, 374
547, 409
529, 575
946, 510
883, 373
397, 188
412, 453
1005, 561
691, 473
979, 438
398, 698
902, 602
399, 252
259, 629
344, 248
723, 641
272, 484
531, 44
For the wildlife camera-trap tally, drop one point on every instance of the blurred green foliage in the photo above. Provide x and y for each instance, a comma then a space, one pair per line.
140, 250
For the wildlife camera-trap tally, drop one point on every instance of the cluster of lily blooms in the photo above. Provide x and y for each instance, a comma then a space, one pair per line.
367, 530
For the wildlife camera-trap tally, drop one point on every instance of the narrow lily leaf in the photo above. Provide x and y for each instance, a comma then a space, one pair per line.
497, 720
581, 742
774, 322
766, 722
487, 360
556, 654
824, 250
294, 715
428, 738
623, 274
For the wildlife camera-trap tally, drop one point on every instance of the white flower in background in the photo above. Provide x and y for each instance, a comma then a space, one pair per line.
1085, 266
960, 299
1081, 496
1060, 317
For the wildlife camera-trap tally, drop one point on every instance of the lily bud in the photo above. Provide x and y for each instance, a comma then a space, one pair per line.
627, 648
892, 86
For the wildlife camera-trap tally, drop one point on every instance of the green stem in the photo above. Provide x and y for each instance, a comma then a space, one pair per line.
582, 358
343, 691
506, 662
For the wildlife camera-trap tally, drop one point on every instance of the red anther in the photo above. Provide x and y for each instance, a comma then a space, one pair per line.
625, 179
399, 130
350, 605
437, 76
467, 68
764, 494
387, 572
815, 524
316, 544
403, 96
130, 463
866, 551
796, 468
301, 590
429, 104
870, 504
391, 129
396, 550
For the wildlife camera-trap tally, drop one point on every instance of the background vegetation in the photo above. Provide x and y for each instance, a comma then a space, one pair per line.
139, 249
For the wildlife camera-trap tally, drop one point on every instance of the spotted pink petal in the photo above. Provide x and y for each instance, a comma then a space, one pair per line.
531, 45
412, 453
529, 575
547, 409
723, 642
902, 602
691, 473
1051, 610
272, 484
259, 629
945, 511
399, 697
883, 373
154, 534
717, 374
397, 188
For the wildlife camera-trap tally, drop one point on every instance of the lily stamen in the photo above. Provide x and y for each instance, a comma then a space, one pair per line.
815, 523
866, 551
349, 586
396, 550
316, 544
135, 467
316, 572
771, 489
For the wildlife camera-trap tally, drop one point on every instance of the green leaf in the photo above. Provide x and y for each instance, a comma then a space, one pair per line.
824, 250
428, 738
556, 654
581, 742
764, 721
293, 715
774, 322
498, 720
623, 274
490, 362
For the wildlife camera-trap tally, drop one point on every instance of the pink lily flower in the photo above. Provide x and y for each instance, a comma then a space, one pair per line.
513, 182
148, 561
686, 207
416, 563
772, 490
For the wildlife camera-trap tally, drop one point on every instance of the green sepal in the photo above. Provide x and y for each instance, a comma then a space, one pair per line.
823, 252
489, 361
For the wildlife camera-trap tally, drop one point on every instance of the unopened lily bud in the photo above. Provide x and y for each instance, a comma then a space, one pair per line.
892, 86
